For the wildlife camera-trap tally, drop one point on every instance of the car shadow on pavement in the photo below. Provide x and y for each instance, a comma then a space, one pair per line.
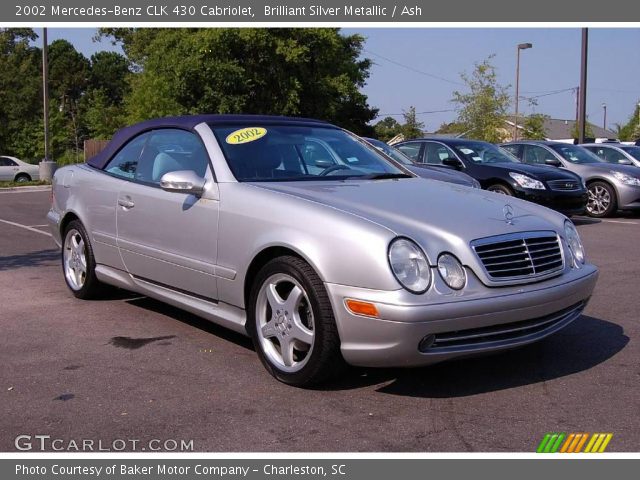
192, 320
32, 259
578, 221
582, 345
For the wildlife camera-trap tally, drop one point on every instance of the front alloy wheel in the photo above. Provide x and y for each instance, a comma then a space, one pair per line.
602, 200
78, 262
291, 322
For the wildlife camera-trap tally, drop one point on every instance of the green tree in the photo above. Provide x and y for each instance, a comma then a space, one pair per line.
534, 128
307, 72
412, 127
387, 128
20, 94
453, 128
631, 130
483, 108
588, 131
109, 72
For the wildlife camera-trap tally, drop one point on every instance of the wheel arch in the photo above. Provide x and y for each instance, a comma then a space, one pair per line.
22, 174
67, 219
611, 184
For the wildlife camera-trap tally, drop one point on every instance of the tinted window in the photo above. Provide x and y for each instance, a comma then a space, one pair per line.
436, 153
393, 152
411, 150
536, 155
512, 149
7, 162
171, 150
297, 152
125, 162
575, 154
483, 152
633, 151
610, 155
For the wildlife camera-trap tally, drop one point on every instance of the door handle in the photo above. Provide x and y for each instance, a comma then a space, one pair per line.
126, 202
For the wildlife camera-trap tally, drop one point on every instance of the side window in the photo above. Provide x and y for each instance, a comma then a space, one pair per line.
535, 155
612, 156
512, 149
7, 162
411, 150
436, 153
125, 163
170, 150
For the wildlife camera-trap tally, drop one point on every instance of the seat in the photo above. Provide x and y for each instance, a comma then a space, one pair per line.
164, 163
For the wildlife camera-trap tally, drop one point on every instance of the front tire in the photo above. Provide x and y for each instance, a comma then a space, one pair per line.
291, 323
499, 188
22, 177
602, 200
78, 262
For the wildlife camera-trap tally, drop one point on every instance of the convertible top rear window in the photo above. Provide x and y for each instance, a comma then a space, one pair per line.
260, 153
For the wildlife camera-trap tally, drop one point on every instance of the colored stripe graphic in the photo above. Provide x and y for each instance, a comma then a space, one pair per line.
573, 442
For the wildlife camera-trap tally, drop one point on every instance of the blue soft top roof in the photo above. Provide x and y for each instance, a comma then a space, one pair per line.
188, 122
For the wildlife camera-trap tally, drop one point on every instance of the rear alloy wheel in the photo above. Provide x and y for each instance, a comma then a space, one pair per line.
22, 177
78, 263
292, 325
602, 200
502, 189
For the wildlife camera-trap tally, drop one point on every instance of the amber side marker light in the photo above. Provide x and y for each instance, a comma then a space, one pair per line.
361, 308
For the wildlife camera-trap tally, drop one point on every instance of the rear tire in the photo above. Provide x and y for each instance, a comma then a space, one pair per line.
22, 177
499, 188
291, 323
602, 201
78, 262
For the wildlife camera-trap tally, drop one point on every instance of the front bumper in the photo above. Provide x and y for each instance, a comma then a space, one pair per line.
568, 203
628, 197
414, 333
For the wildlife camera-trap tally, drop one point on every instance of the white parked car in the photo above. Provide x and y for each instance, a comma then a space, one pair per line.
14, 170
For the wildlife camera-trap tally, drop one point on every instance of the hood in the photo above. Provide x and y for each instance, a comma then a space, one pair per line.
540, 172
436, 214
442, 174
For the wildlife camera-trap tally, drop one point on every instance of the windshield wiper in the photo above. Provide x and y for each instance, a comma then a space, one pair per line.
385, 176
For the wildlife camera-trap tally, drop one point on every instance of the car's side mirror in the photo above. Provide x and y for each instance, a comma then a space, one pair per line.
183, 181
324, 163
554, 162
452, 162
625, 161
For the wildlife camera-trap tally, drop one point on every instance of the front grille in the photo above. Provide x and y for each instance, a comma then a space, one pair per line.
520, 255
564, 185
496, 335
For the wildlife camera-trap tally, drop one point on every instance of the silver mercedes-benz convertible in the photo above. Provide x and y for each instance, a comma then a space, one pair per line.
322, 249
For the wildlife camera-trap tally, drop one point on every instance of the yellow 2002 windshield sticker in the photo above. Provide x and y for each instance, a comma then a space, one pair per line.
245, 135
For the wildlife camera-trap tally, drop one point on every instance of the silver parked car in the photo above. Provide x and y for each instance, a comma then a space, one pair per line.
610, 187
241, 220
15, 170
616, 153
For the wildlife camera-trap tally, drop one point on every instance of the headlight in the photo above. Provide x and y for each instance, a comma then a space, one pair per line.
575, 245
626, 179
409, 265
526, 182
475, 184
452, 271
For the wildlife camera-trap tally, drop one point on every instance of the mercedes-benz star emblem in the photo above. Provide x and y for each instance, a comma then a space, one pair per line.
508, 214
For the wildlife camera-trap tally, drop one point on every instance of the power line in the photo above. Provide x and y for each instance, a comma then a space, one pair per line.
417, 113
408, 67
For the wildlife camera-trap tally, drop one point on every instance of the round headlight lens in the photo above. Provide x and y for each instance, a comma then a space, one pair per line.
573, 240
452, 271
409, 265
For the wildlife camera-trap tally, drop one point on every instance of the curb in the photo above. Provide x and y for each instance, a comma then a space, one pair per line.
30, 188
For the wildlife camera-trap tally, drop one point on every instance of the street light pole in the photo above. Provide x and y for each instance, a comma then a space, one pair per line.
582, 117
604, 123
47, 166
522, 46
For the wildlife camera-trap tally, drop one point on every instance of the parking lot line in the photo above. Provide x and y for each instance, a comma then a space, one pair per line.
620, 221
26, 227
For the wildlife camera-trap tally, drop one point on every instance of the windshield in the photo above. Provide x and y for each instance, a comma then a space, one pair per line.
482, 152
633, 151
575, 154
297, 152
393, 152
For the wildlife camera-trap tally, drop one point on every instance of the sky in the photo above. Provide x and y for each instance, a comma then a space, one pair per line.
421, 67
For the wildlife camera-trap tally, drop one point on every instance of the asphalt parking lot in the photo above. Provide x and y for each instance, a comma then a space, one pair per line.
128, 367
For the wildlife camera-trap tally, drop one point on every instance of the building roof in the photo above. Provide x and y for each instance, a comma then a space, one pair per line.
560, 129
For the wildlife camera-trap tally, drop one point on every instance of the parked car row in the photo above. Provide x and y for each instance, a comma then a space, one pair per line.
318, 246
598, 179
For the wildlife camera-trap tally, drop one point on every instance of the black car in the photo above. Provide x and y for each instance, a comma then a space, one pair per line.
499, 171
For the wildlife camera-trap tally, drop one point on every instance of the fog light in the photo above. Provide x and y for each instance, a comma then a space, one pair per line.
426, 343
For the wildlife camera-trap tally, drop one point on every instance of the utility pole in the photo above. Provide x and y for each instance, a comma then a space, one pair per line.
47, 166
604, 123
522, 46
582, 117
